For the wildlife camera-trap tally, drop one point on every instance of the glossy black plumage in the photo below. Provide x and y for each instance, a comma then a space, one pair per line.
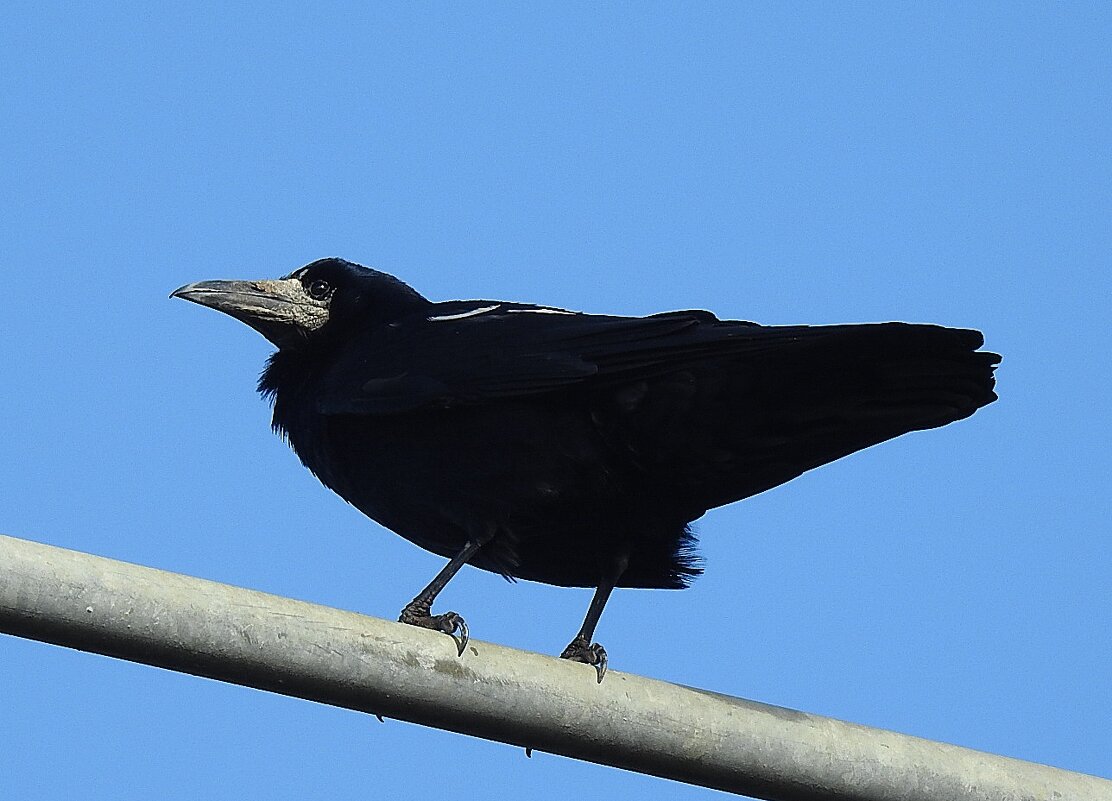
577, 448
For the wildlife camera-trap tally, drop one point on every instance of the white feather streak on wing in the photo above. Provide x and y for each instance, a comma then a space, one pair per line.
461, 315
540, 311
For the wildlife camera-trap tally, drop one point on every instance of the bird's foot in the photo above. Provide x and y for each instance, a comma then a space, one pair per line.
449, 623
591, 653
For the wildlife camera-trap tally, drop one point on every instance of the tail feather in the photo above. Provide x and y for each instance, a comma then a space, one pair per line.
815, 394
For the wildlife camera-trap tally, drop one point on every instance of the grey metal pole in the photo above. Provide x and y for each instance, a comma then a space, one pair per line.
363, 663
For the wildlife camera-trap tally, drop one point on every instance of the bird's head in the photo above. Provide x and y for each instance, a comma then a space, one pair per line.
312, 303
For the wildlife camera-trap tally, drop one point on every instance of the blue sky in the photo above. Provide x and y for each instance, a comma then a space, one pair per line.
785, 163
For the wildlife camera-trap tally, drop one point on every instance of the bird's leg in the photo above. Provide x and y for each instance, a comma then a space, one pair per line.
418, 612
581, 649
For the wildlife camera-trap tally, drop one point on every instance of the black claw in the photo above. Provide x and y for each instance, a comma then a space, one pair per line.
600, 665
448, 623
589, 653
458, 623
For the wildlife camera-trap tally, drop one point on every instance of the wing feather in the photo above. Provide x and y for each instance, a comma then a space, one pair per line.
459, 358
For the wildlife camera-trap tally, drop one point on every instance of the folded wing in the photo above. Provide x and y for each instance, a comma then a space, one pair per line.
710, 411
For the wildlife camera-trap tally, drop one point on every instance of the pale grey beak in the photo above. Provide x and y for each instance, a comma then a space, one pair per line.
277, 309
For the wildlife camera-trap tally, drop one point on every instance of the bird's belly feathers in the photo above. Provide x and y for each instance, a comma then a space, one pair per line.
537, 478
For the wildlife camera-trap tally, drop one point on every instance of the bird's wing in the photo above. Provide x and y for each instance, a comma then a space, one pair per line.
479, 351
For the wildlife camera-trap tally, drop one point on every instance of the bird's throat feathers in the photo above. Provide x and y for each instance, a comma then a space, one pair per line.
284, 382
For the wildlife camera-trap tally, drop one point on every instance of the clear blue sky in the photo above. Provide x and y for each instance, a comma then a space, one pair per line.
783, 163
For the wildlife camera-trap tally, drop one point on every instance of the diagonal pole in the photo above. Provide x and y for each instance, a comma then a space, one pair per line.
363, 663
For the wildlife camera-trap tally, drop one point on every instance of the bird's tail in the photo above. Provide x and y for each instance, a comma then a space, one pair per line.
844, 388
805, 396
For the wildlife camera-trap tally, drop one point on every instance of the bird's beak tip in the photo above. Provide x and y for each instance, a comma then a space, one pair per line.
186, 290
200, 289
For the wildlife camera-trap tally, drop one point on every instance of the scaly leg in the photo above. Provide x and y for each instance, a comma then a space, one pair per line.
418, 612
581, 649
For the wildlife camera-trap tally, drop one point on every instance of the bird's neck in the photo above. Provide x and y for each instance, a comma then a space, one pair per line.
287, 382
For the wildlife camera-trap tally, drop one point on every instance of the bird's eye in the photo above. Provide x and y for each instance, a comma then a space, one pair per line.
319, 290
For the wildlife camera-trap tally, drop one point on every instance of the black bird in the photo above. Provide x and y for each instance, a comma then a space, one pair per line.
567, 448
